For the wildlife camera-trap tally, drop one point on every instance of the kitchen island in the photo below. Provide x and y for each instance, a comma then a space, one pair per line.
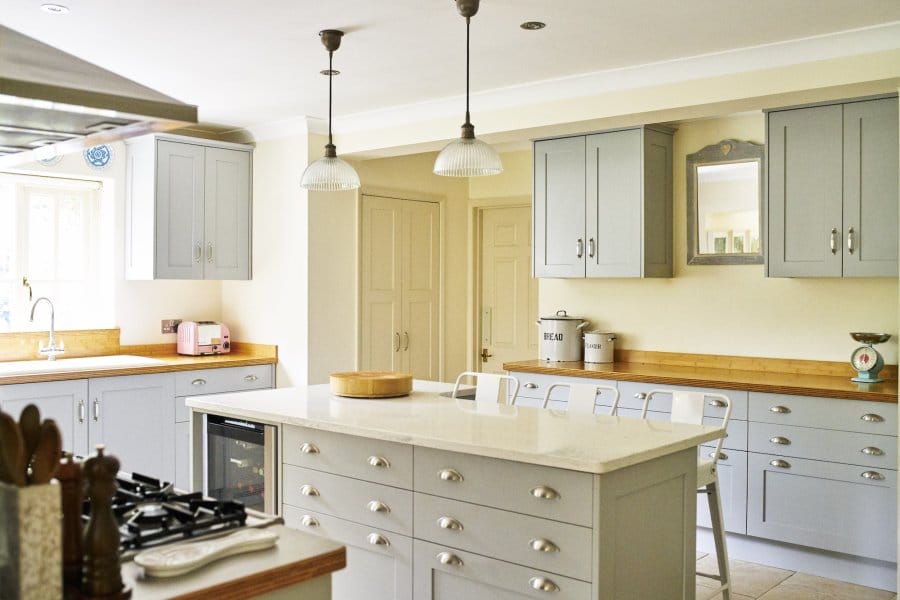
441, 498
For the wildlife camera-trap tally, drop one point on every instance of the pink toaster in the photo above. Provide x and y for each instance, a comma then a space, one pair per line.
203, 337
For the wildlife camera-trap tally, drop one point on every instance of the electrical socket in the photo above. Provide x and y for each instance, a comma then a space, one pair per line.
170, 325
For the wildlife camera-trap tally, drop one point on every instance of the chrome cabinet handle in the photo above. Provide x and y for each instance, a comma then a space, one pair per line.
81, 410
378, 506
580, 248
781, 410
405, 341
379, 461
96, 415
530, 386
722, 455
592, 247
873, 475
376, 539
309, 521
833, 242
542, 584
396, 341
545, 492
450, 523
872, 451
781, 464
450, 475
308, 490
198, 382
717, 403
198, 252
850, 247
308, 448
209, 252
250, 377
640, 396
780, 440
872, 418
542, 545
447, 558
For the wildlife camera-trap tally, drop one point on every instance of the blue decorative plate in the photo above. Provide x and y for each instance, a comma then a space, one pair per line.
98, 157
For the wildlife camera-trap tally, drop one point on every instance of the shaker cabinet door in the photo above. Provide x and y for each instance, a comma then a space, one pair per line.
63, 401
179, 210
732, 473
226, 253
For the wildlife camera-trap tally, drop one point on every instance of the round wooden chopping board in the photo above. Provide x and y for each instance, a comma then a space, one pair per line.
371, 384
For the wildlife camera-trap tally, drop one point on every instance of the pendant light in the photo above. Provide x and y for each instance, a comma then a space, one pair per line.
330, 173
467, 156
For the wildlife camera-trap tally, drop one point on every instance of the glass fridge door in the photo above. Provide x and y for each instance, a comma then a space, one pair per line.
240, 462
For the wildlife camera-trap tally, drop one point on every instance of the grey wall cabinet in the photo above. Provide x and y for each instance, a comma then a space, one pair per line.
188, 209
603, 205
833, 191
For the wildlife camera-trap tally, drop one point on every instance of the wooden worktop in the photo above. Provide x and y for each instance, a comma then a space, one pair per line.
777, 376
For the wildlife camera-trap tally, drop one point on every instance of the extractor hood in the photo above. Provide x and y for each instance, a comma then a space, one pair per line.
58, 103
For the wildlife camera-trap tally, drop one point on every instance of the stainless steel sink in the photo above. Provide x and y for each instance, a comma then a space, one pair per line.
66, 365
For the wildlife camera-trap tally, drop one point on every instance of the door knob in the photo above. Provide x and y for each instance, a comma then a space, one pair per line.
484, 355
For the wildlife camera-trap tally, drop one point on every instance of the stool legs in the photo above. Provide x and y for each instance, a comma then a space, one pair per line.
718, 526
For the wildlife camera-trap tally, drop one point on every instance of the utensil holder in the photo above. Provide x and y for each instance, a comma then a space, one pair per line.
31, 541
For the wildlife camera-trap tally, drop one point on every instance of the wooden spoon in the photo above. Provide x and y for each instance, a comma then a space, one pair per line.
30, 424
47, 455
12, 451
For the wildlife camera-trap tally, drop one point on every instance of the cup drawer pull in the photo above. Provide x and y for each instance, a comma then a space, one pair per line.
722, 456
376, 539
198, 382
873, 475
717, 403
308, 448
781, 464
308, 490
450, 523
250, 378
780, 440
379, 461
448, 558
543, 584
378, 506
450, 475
872, 418
309, 521
542, 545
530, 386
872, 451
781, 410
545, 492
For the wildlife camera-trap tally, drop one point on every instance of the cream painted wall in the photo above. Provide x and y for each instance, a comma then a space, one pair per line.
411, 176
135, 306
732, 310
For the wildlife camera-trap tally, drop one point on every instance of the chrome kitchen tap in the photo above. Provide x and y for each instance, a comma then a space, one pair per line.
52, 350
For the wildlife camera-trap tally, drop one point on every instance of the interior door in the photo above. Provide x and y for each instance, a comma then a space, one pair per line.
420, 287
508, 291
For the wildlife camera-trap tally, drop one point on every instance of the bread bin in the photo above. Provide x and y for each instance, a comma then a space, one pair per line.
561, 337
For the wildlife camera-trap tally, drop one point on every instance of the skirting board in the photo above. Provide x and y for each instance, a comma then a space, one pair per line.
844, 567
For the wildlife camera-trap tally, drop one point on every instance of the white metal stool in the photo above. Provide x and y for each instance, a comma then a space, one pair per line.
487, 386
583, 396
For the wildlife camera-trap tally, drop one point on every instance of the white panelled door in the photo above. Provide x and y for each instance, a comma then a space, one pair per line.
400, 286
508, 291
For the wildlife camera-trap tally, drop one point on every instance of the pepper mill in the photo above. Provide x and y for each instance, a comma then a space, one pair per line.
101, 572
69, 476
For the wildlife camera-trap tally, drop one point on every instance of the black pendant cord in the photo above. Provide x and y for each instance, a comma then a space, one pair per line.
467, 70
330, 77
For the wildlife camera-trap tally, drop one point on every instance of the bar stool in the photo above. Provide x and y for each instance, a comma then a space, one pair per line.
583, 396
687, 407
487, 386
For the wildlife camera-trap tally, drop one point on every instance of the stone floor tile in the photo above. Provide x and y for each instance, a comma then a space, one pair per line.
748, 579
802, 586
702, 594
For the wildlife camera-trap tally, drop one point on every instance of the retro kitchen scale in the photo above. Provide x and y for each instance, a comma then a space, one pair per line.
866, 359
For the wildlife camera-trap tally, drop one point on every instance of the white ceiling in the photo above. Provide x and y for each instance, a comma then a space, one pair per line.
247, 63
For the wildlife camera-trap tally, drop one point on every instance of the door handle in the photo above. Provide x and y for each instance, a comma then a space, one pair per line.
198, 252
833, 242
592, 247
81, 415
209, 252
850, 247
405, 341
580, 247
396, 341
484, 355
96, 415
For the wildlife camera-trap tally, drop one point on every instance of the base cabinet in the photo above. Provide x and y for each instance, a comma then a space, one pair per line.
63, 401
732, 472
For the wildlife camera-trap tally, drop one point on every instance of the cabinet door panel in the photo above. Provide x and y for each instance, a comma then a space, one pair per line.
804, 165
613, 204
179, 210
559, 208
870, 188
732, 473
63, 401
420, 268
134, 416
656, 253
226, 252
182, 457
823, 505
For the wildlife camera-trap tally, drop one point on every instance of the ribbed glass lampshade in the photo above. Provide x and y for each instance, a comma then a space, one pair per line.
467, 157
329, 174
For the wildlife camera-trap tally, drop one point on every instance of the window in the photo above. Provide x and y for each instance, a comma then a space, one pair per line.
48, 236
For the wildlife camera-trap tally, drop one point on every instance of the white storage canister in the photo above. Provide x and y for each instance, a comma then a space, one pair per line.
599, 347
561, 337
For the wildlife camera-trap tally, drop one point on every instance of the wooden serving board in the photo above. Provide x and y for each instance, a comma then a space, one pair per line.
371, 384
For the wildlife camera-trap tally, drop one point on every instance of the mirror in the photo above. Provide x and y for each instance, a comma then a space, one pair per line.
724, 204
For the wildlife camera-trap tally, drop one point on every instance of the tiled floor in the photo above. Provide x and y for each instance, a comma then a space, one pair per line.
759, 582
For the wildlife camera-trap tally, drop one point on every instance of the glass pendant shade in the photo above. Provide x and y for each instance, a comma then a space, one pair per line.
467, 157
329, 174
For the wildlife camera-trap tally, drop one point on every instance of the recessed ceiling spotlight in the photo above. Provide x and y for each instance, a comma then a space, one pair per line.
54, 9
532, 25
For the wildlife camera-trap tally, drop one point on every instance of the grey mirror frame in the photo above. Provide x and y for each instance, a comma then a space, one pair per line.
726, 151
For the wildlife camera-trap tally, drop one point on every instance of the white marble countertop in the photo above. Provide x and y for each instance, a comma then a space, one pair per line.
595, 444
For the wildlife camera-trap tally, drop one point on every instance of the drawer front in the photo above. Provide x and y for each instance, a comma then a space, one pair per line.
836, 446
444, 573
735, 435
231, 379
633, 397
543, 544
371, 504
824, 413
534, 385
379, 563
823, 505
531, 489
732, 473
379, 461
